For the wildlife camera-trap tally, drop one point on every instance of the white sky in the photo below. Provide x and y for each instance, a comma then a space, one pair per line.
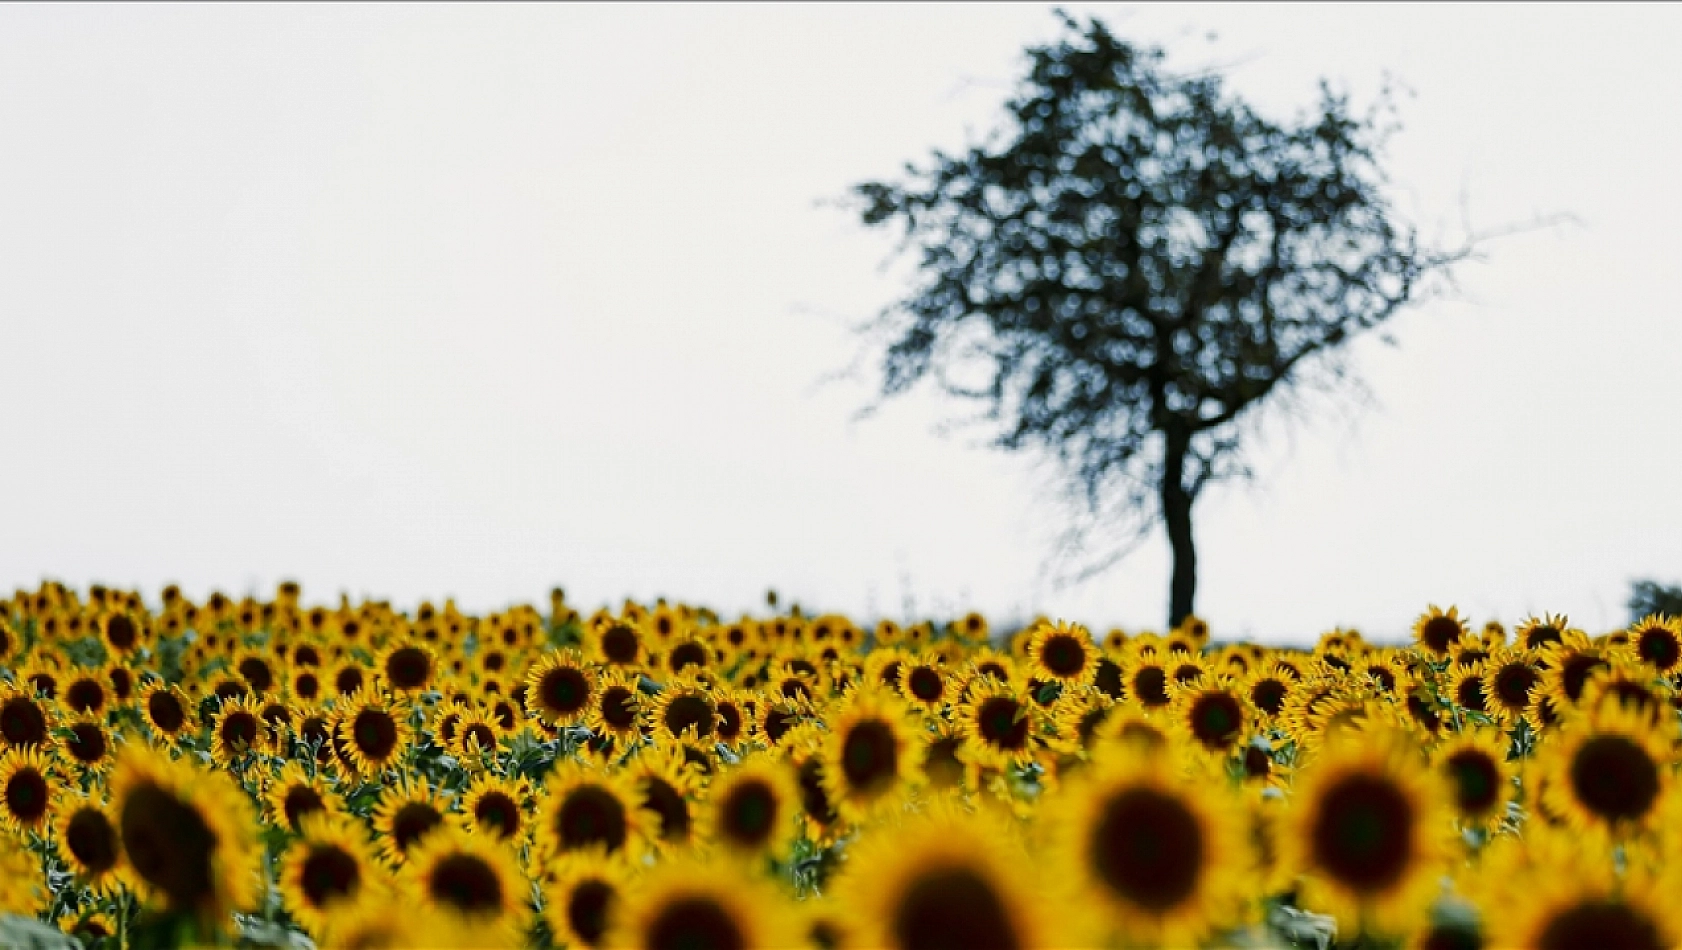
467, 301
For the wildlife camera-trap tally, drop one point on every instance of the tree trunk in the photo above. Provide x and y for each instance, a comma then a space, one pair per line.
1176, 516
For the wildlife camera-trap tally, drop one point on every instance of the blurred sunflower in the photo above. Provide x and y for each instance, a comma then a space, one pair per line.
1512, 675
1437, 632
496, 806
871, 756
90, 845
294, 794
751, 809
23, 888
1608, 770
86, 693
687, 905
948, 881
582, 894
998, 725
1212, 718
234, 731
1367, 831
328, 868
25, 721
28, 785
587, 810
188, 834
474, 883
684, 709
1167, 858
1480, 780
407, 814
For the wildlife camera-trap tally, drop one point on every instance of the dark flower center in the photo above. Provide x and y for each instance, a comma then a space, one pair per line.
239, 730
120, 633
85, 695
813, 799
587, 910
22, 722
690, 712
591, 815
92, 840
1147, 847
408, 668
1469, 694
1150, 685
694, 923
466, 883
1269, 696
749, 814
1477, 781
687, 654
564, 691
952, 908
1658, 646
1600, 923
375, 734
301, 800
1002, 724
926, 684
1440, 633
619, 709
256, 672
329, 873
411, 823
619, 644
1063, 655
1614, 778
870, 755
87, 743
497, 811
26, 796
169, 845
1513, 683
669, 806
1216, 719
1363, 833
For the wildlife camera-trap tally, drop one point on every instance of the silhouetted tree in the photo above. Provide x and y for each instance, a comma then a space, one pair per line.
1651, 597
1135, 266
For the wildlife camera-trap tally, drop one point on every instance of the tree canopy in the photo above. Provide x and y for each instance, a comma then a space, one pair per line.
1135, 265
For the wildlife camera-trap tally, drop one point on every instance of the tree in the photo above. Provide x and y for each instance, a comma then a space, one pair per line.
1647, 597
1135, 267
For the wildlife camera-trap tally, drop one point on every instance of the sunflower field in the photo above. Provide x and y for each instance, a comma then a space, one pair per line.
270, 773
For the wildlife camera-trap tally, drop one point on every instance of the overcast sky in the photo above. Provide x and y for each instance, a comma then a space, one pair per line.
431, 300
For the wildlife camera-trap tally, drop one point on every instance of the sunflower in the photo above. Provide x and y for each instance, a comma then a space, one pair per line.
25, 721
294, 794
28, 786
1592, 906
1437, 632
560, 689
587, 810
752, 809
1063, 653
1657, 641
1608, 770
406, 667
1468, 688
581, 895
235, 730
922, 682
735, 718
1536, 633
188, 834
1474, 765
1366, 829
121, 681
617, 710
477, 735
687, 904
375, 731
304, 683
475, 885
257, 670
347, 678
408, 813
803, 749
616, 643
667, 784
871, 755
1077, 716
1632, 685
998, 725
1212, 718
1511, 675
1147, 679
86, 693
497, 807
90, 845
1267, 689
948, 881
1167, 858
326, 869
684, 709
